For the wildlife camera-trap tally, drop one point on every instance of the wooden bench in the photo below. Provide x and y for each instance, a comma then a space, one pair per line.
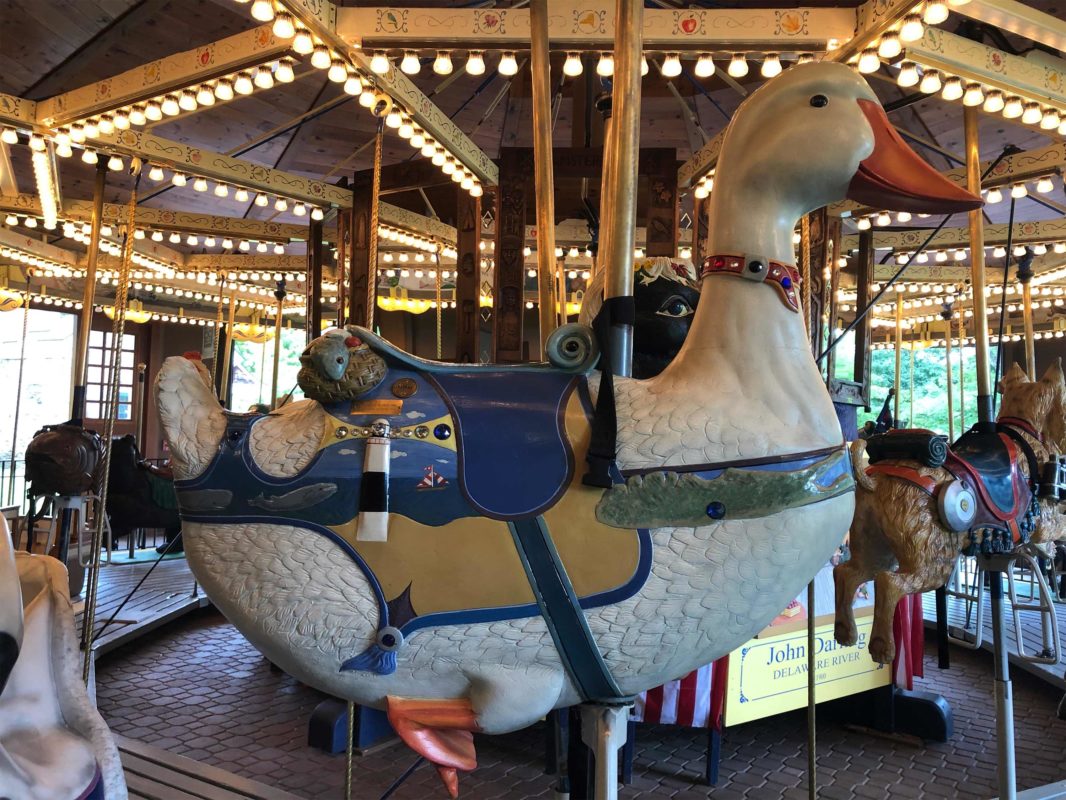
154, 774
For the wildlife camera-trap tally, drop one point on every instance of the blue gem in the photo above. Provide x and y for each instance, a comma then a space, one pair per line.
443, 431
786, 282
716, 510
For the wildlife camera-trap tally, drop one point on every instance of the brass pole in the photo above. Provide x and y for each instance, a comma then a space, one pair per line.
85, 321
280, 294
910, 394
228, 352
962, 373
540, 68
899, 357
812, 700
977, 268
1027, 319
623, 149
947, 366
604, 106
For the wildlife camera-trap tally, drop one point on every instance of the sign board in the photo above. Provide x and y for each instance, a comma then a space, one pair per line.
768, 675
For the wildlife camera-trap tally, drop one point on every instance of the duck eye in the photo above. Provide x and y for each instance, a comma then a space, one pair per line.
675, 306
819, 101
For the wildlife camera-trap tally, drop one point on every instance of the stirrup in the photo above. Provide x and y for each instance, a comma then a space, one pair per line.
969, 587
1049, 625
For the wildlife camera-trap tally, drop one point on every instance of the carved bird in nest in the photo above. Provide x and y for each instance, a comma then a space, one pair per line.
339, 366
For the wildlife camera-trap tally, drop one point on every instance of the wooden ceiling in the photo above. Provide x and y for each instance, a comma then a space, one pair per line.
51, 46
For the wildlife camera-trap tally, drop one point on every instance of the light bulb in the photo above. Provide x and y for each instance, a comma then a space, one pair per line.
107, 124
448, 167
244, 246
224, 89
903, 216
410, 65
157, 236
91, 129
869, 61
64, 151
242, 84
9, 136
994, 101
1013, 107
263, 10
30, 222
999, 252
1044, 185
960, 255
1032, 114
1040, 249
199, 185
508, 64
438, 157
192, 240
379, 63
338, 72
261, 247
317, 214
299, 209
429, 148
366, 99
890, 46
264, 78
475, 63
941, 256
930, 82
406, 129
281, 204
936, 11
77, 133
284, 73
863, 223
1019, 250
227, 243
284, 25
169, 106
1059, 247
1050, 120
738, 66
175, 238
187, 101
883, 219
994, 196
418, 139
671, 67
320, 57
952, 89
261, 200
912, 28
572, 66
393, 119
804, 58
302, 42
89, 156
923, 258
442, 64
37, 142
352, 85
205, 95
115, 164
241, 195
221, 190
704, 66
1018, 191
908, 74
643, 66
605, 65
179, 179
974, 95
476, 190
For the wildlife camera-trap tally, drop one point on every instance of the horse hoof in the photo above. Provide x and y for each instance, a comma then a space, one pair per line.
882, 651
845, 633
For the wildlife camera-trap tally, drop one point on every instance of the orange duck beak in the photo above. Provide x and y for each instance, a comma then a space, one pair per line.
894, 177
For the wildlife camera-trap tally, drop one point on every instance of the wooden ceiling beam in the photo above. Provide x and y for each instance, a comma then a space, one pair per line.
1018, 18
576, 25
17, 112
320, 16
165, 75
27, 244
872, 20
254, 262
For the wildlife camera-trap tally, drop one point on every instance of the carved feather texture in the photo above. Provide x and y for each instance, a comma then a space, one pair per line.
191, 415
285, 442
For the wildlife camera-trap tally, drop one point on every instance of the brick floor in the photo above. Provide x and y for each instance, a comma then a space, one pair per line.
199, 689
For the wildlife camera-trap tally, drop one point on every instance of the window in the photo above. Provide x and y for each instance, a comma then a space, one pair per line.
98, 376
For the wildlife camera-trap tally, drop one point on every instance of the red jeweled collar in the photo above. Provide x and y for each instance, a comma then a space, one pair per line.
786, 278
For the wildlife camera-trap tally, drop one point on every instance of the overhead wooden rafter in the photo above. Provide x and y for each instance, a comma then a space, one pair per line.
575, 25
1018, 18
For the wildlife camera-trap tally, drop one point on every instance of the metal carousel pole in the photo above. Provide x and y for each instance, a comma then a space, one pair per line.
543, 168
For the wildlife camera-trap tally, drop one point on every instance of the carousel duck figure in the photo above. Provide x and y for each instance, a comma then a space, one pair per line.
54, 745
500, 585
990, 492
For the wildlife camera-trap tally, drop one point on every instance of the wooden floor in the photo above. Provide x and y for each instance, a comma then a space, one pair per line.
168, 593
154, 774
957, 617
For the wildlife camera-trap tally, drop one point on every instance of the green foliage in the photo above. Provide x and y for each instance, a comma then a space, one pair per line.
253, 366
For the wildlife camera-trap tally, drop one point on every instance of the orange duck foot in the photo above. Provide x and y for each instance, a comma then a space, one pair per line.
439, 730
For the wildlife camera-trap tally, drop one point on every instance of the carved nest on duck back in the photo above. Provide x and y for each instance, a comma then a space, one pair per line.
339, 366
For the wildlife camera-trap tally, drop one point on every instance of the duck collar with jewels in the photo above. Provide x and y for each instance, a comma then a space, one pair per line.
761, 270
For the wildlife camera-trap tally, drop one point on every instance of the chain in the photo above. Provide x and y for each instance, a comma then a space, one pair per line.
350, 752
118, 329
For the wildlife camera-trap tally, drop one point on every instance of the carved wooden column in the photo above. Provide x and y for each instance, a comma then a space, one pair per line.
699, 230
660, 165
359, 250
508, 302
467, 277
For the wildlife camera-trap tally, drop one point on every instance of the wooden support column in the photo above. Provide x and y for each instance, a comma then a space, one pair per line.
467, 277
314, 277
508, 302
359, 250
660, 165
699, 230
863, 278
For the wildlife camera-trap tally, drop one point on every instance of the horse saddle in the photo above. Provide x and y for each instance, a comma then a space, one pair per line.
988, 461
514, 457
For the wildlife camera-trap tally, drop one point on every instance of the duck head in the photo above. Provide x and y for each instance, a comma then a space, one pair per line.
815, 135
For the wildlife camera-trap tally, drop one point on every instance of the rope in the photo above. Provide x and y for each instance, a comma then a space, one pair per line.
18, 392
440, 310
805, 256
372, 239
350, 752
218, 329
118, 330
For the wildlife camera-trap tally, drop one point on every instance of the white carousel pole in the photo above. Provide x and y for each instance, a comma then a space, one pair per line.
619, 202
543, 168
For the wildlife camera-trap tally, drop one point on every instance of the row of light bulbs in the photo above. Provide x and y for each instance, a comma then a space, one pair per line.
969, 341
950, 289
973, 93
910, 28
240, 194
340, 71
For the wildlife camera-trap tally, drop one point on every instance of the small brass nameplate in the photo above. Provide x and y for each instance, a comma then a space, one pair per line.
382, 407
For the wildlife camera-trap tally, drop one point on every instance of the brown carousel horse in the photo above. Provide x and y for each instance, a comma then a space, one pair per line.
989, 492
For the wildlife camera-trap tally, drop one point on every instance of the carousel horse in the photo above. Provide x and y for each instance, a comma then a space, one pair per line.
988, 492
134, 499
421, 540
666, 292
53, 743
